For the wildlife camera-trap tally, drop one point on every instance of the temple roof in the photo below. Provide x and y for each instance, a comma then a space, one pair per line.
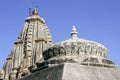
34, 38
75, 46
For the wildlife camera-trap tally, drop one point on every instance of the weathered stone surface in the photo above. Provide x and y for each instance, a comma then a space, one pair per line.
80, 72
76, 47
27, 51
33, 56
1, 74
74, 71
51, 73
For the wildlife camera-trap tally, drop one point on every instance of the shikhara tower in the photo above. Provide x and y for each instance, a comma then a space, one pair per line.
34, 57
33, 40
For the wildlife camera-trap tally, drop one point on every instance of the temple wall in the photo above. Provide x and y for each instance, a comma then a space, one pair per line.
53, 73
74, 71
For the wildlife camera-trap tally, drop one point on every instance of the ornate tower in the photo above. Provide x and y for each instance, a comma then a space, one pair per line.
33, 40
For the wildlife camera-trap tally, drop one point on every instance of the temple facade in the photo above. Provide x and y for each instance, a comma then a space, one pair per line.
34, 57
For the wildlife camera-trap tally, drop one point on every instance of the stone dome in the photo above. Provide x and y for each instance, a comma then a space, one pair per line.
78, 49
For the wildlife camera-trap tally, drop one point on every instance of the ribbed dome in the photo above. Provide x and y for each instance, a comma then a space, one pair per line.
79, 50
77, 47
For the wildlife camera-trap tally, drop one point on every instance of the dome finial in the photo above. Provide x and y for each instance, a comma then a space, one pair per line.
35, 11
74, 32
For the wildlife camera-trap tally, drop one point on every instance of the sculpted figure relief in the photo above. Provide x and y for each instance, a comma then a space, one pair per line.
68, 49
50, 51
104, 53
81, 48
88, 49
74, 48
56, 51
62, 51
99, 51
93, 50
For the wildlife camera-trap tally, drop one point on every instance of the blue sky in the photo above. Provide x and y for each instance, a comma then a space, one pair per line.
96, 20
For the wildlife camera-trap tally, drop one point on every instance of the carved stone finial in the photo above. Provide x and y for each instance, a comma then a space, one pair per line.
74, 33
35, 12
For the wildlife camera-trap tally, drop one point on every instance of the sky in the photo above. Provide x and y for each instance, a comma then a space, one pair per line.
96, 20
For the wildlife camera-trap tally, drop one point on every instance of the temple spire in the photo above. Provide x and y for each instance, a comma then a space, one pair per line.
30, 12
35, 11
74, 33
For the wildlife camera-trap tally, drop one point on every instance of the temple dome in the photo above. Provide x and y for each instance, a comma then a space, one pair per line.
76, 47
79, 50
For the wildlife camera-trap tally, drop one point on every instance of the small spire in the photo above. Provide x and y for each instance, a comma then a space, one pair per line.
74, 33
30, 12
35, 11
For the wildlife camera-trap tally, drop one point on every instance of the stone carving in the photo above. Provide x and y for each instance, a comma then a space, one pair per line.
56, 51
93, 52
104, 53
68, 49
27, 51
90, 59
88, 49
62, 51
45, 54
81, 48
8, 66
74, 48
50, 51
99, 50
35, 43
1, 74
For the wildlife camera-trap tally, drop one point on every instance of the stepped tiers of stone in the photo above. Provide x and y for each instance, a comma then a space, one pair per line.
34, 57
33, 40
